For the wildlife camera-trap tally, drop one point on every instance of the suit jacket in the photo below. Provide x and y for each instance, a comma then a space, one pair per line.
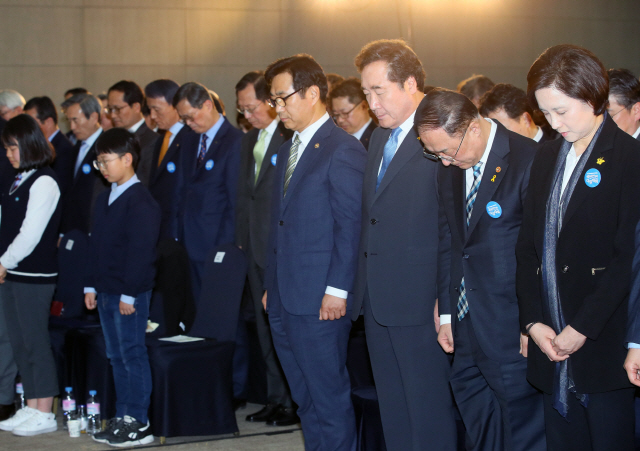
80, 197
65, 160
313, 239
166, 181
147, 139
207, 210
366, 136
484, 252
593, 256
7, 173
398, 246
253, 209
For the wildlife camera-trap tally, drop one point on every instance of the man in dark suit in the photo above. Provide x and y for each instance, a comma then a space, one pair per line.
210, 167
508, 105
480, 216
253, 215
350, 110
125, 104
83, 114
624, 100
315, 222
165, 181
43, 110
395, 288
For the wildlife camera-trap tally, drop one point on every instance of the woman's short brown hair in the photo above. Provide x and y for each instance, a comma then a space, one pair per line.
572, 70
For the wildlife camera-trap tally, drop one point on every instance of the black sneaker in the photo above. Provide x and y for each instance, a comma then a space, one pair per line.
131, 433
109, 432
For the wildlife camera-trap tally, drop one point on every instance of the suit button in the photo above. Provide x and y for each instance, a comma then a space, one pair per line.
565, 268
465, 256
365, 255
374, 221
281, 223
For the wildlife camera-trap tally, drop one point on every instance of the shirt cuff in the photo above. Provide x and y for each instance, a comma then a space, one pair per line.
445, 319
336, 292
90, 290
5, 264
127, 299
633, 346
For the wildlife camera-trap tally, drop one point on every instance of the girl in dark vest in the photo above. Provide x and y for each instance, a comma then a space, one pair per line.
30, 215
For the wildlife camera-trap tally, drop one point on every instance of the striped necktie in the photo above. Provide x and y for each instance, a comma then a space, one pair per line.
203, 149
463, 305
258, 152
291, 163
16, 183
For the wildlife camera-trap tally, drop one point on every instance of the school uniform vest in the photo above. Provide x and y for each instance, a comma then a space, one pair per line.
41, 266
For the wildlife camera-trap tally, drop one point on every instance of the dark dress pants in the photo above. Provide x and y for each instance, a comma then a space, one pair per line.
411, 373
500, 409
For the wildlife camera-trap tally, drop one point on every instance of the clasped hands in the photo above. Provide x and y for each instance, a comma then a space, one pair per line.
557, 347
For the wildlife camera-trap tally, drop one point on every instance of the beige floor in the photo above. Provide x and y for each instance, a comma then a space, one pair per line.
253, 436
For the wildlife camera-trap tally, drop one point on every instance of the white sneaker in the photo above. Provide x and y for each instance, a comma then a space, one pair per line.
38, 423
20, 417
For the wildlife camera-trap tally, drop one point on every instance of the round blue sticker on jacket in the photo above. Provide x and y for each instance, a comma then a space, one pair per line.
494, 209
592, 178
86, 168
208, 165
274, 158
171, 167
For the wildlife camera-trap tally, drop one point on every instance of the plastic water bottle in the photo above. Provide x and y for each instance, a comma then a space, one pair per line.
19, 396
94, 424
82, 416
68, 405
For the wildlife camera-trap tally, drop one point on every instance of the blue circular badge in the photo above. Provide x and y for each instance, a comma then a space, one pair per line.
208, 165
494, 209
274, 158
86, 168
592, 178
171, 167
17, 199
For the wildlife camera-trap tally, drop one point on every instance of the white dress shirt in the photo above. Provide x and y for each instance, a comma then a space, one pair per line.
134, 128
269, 130
174, 129
538, 136
84, 148
53, 135
637, 133
360, 132
44, 195
406, 127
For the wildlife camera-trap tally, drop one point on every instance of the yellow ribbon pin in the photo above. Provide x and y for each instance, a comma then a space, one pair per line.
493, 179
600, 160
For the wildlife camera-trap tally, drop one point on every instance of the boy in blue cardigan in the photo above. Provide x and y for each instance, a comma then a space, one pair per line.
126, 227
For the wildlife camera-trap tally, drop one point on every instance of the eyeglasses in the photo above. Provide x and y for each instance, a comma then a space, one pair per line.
337, 115
435, 157
103, 163
617, 112
247, 110
116, 109
281, 101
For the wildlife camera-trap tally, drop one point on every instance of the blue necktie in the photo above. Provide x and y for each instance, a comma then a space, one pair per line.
388, 153
463, 305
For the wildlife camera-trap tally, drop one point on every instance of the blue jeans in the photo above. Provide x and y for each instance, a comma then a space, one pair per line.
124, 336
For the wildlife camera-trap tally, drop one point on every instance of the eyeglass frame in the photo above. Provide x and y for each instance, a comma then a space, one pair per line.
435, 157
336, 116
275, 101
117, 109
98, 165
247, 110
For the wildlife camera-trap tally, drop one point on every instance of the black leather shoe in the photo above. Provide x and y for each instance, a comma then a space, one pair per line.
239, 403
6, 411
264, 414
284, 416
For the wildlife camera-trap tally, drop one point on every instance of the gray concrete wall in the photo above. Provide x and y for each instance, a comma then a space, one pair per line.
48, 46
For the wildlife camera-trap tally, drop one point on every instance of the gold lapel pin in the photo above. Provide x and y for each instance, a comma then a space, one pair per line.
600, 160
493, 179
498, 169
317, 145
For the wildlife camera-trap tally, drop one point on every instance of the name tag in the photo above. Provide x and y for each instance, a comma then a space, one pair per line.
219, 257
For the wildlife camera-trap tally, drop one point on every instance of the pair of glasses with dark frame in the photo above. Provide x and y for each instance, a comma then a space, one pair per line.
435, 157
281, 101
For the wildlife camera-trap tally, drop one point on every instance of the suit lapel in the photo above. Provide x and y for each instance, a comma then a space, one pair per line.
217, 139
459, 198
311, 153
172, 151
409, 147
370, 182
492, 176
274, 145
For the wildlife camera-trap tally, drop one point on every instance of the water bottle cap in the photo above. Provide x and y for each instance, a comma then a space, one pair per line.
68, 389
92, 392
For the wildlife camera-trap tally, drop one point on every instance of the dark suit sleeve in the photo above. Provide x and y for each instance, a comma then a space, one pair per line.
232, 169
346, 173
613, 287
143, 230
633, 329
444, 255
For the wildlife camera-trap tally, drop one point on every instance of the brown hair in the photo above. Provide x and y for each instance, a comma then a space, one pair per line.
401, 59
475, 86
445, 109
572, 70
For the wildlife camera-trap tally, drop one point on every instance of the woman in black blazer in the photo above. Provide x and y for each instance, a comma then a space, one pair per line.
574, 256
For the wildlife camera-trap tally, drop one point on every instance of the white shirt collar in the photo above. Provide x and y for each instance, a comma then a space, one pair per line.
637, 133
271, 128
175, 128
92, 139
117, 190
360, 132
308, 133
136, 126
53, 135
487, 150
538, 136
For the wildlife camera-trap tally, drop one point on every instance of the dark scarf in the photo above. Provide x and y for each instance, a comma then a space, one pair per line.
556, 207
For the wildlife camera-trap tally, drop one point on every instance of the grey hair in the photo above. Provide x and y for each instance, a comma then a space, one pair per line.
89, 104
11, 99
